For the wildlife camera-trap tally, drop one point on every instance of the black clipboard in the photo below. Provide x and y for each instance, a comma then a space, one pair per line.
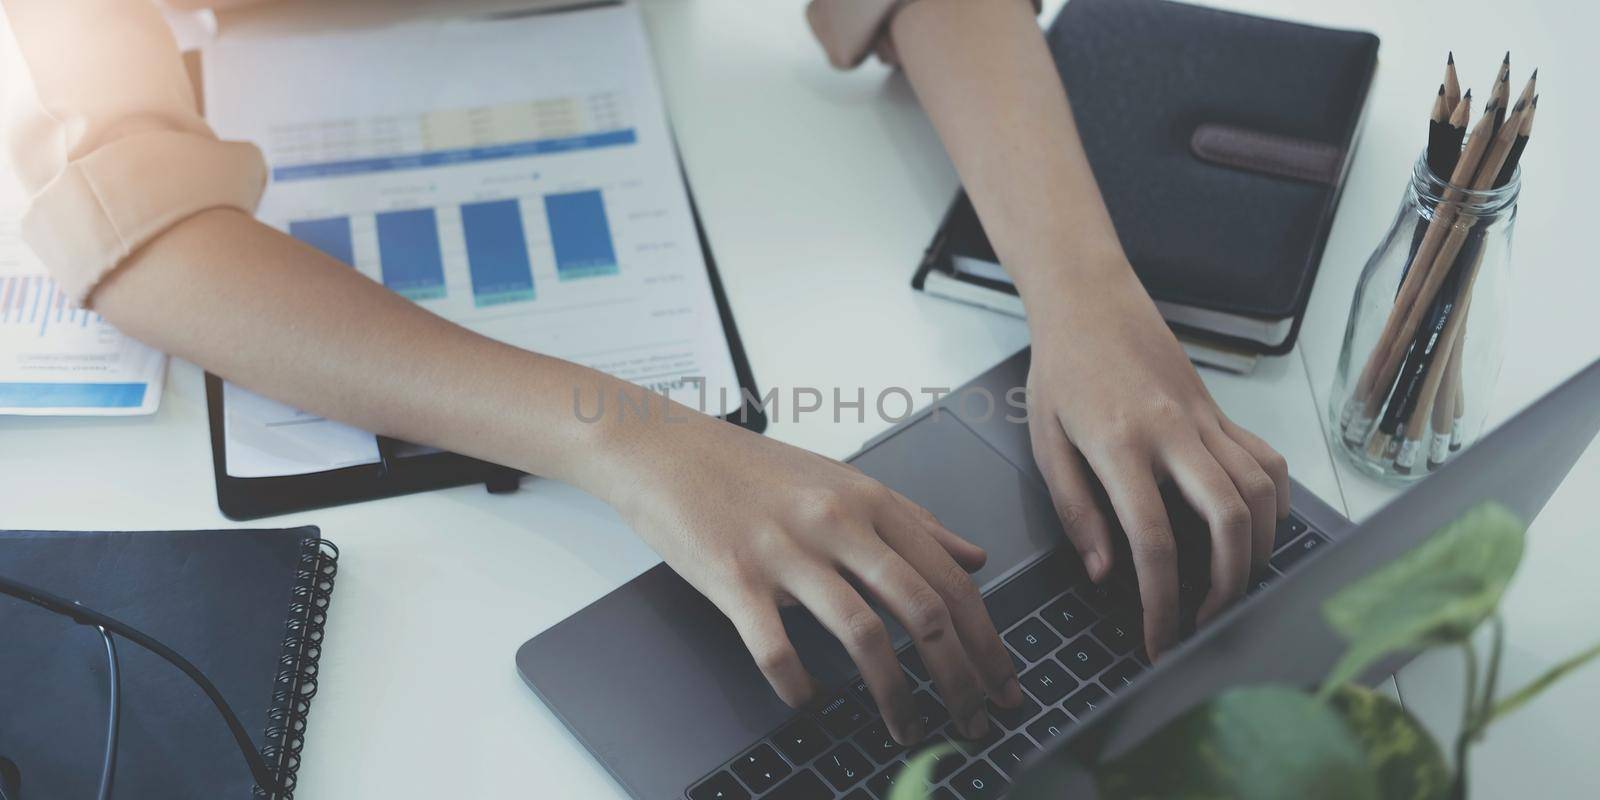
253, 498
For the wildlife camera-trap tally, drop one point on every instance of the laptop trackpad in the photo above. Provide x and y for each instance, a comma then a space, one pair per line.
943, 466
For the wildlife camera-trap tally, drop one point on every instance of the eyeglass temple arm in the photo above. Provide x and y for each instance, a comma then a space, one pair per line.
88, 616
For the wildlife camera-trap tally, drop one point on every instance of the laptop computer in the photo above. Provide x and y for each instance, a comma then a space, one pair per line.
654, 681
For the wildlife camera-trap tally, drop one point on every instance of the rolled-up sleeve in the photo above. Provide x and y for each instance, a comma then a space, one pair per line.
99, 122
851, 30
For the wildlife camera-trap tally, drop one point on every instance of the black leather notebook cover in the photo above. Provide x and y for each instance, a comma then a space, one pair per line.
239, 604
1219, 141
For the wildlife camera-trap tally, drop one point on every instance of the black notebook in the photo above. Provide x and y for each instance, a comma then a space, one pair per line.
247, 607
1220, 142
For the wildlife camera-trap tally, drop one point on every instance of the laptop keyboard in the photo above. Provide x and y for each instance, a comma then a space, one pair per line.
1073, 649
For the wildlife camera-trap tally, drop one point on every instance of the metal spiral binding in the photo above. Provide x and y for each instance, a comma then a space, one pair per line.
296, 681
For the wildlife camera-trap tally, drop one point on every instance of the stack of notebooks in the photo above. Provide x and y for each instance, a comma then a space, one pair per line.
1220, 142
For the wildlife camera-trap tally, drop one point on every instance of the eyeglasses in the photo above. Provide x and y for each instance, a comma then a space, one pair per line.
106, 625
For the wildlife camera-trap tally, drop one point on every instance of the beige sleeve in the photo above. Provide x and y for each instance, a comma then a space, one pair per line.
98, 121
850, 30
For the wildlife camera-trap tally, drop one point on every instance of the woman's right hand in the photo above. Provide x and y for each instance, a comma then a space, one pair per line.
755, 524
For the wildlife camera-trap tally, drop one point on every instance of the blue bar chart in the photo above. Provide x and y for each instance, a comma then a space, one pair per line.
36, 302
331, 235
408, 249
497, 252
580, 234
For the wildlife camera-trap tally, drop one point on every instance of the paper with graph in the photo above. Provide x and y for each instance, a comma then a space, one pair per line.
59, 360
514, 175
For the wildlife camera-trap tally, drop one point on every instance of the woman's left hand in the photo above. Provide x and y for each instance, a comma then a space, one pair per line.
1113, 397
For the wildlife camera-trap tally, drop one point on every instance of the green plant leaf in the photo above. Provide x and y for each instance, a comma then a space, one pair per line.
1403, 756
1259, 743
1521, 696
914, 781
1436, 594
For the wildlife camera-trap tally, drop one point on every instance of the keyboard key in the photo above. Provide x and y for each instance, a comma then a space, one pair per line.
913, 661
1032, 640
930, 711
942, 793
1068, 615
863, 693
1261, 579
882, 783
801, 740
1121, 676
1111, 597
844, 766
1017, 599
980, 782
1119, 638
760, 768
840, 715
1010, 753
858, 794
805, 786
1014, 718
1085, 657
947, 763
1288, 529
720, 786
1290, 556
1085, 700
974, 747
1048, 682
1054, 723
875, 741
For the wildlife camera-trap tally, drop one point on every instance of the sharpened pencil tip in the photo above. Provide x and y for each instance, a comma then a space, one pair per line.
1536, 101
1507, 59
1467, 96
1441, 90
1534, 75
1451, 57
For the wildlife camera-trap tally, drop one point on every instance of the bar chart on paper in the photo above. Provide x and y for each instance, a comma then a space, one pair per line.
570, 230
58, 359
514, 176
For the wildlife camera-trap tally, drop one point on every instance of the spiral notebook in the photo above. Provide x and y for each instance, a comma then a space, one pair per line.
246, 606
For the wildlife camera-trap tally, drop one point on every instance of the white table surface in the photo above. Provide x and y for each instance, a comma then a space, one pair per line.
819, 191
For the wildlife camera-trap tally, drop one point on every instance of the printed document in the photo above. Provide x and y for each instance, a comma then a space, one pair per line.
515, 175
59, 360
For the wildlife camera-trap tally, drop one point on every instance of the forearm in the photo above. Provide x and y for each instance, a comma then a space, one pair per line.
985, 77
282, 319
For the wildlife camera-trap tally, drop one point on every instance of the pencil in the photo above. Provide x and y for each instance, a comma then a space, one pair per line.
1441, 164
1438, 135
1452, 86
1447, 409
1456, 414
1501, 95
1518, 146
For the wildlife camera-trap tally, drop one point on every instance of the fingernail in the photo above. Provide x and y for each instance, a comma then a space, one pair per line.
1011, 696
1094, 564
977, 725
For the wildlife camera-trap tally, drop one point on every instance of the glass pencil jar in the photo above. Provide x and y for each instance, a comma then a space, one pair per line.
1424, 343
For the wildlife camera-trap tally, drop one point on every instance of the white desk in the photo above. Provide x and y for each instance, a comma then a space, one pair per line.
819, 191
